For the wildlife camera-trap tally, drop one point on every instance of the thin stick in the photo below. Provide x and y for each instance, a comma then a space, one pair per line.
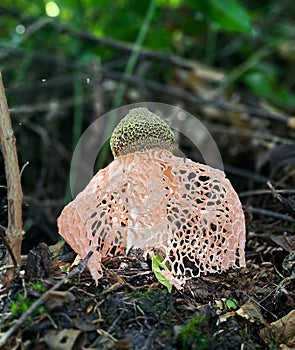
14, 230
268, 213
77, 270
263, 191
23, 168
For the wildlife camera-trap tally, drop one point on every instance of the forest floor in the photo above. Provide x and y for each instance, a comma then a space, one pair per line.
249, 308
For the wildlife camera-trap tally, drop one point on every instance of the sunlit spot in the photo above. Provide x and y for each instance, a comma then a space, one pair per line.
52, 9
20, 29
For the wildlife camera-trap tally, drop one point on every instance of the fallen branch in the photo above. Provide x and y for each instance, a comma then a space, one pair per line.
77, 270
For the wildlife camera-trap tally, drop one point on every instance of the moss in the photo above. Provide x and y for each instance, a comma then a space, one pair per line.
21, 305
141, 130
192, 334
39, 286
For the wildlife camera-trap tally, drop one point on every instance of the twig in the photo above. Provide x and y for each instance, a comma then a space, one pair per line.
263, 191
185, 95
127, 47
287, 204
14, 230
268, 213
154, 86
23, 168
144, 83
258, 303
245, 66
77, 270
165, 58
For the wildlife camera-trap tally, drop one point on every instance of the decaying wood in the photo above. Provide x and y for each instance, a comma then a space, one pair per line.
14, 231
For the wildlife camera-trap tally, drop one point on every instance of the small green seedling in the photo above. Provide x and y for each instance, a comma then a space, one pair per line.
157, 267
65, 268
231, 304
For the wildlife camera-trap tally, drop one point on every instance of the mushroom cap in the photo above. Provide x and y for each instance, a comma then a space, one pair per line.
153, 200
141, 130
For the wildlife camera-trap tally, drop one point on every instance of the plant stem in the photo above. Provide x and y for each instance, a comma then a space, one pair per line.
210, 50
14, 231
118, 98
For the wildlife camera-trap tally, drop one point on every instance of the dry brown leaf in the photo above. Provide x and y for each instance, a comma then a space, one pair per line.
55, 299
284, 241
250, 311
66, 339
56, 248
224, 317
283, 330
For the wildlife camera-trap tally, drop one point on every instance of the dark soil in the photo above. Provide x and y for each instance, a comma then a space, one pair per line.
129, 309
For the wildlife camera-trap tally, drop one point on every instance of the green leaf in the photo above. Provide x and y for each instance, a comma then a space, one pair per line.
231, 304
227, 14
157, 267
264, 84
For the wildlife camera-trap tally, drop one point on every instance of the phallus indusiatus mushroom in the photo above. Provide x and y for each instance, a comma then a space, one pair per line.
148, 198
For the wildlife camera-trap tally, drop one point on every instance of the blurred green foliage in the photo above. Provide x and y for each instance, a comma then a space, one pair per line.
226, 15
223, 33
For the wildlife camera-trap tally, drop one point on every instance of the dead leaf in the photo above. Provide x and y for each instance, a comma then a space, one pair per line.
65, 339
283, 330
56, 248
55, 299
284, 241
224, 317
250, 311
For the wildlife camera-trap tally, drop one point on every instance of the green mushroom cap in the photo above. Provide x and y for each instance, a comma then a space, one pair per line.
141, 130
